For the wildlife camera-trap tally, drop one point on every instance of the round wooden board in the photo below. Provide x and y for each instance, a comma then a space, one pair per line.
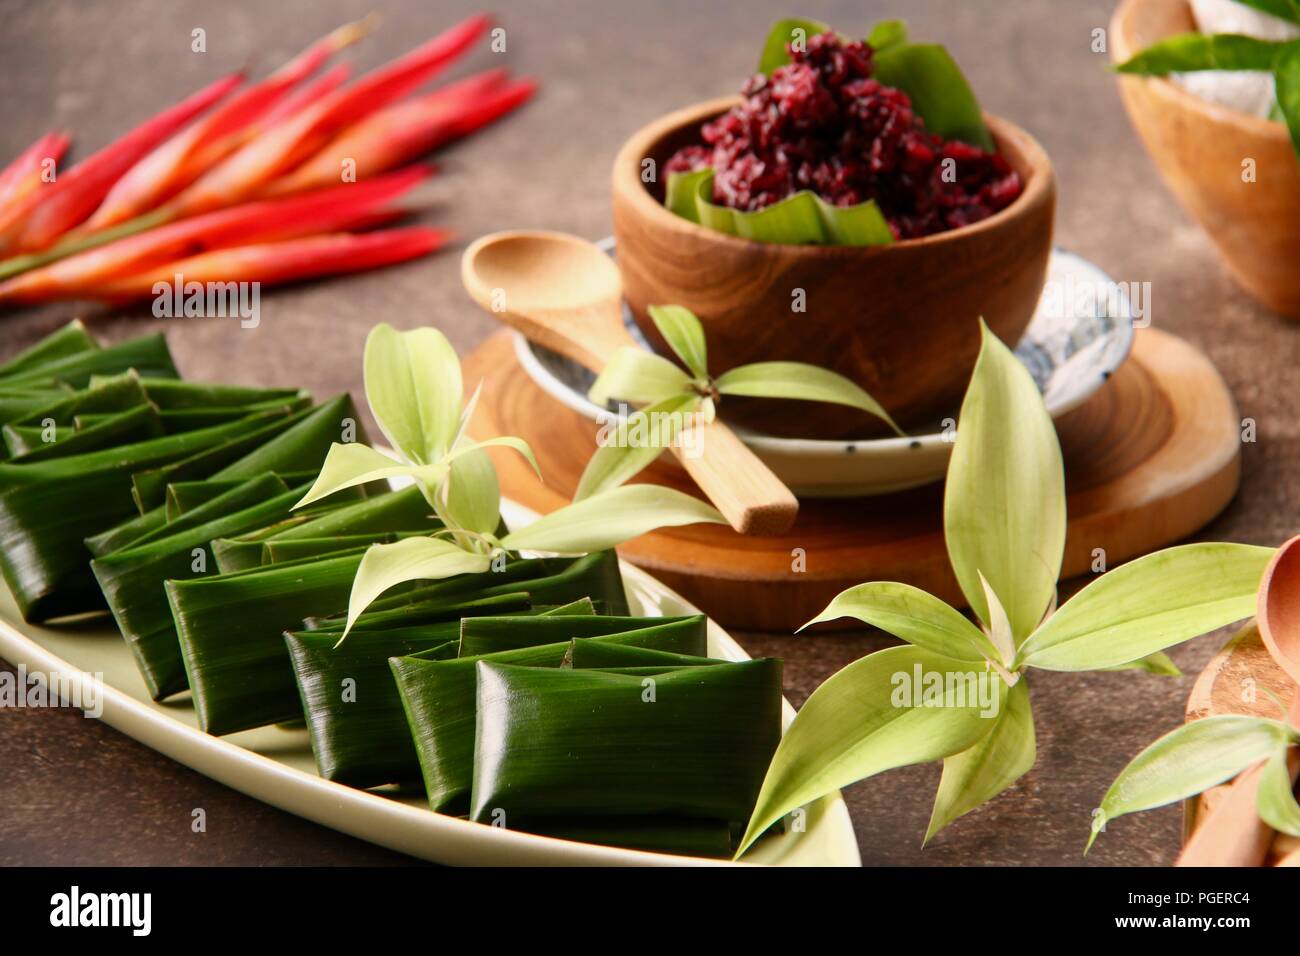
1149, 459
1239, 681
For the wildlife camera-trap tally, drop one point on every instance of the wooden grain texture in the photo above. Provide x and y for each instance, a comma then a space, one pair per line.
1237, 174
76, 791
1151, 458
564, 293
899, 320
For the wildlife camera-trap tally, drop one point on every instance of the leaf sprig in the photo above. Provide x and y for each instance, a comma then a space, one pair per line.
1194, 52
672, 396
1004, 522
1204, 754
414, 386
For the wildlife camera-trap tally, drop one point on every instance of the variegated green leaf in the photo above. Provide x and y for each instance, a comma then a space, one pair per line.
863, 721
1188, 761
1148, 605
999, 627
472, 495
625, 449
682, 331
608, 519
347, 466
913, 615
1004, 503
414, 388
800, 381
385, 566
977, 775
503, 441
635, 375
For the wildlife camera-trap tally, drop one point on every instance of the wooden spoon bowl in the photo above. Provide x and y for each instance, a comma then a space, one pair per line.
1279, 608
1202, 150
900, 320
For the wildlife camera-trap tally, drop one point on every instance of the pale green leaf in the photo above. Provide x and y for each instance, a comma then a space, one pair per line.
800, 381
999, 627
1148, 605
1188, 761
414, 388
502, 441
347, 466
1275, 800
977, 775
472, 495
625, 449
635, 375
682, 331
909, 613
610, 518
385, 566
863, 721
466, 416
1004, 504
1159, 663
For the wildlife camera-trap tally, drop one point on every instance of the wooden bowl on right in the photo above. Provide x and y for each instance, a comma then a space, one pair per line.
1237, 175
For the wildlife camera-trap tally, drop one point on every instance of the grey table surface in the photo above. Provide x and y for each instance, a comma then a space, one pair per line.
74, 791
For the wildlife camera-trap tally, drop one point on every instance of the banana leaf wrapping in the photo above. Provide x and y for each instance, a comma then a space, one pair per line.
148, 355
372, 520
692, 742
602, 655
231, 630
103, 395
438, 700
230, 626
71, 339
300, 445
132, 579
353, 712
48, 508
547, 581
30, 443
488, 635
89, 484
184, 496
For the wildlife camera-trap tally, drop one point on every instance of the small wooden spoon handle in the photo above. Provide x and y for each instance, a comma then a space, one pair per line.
750, 497
1232, 834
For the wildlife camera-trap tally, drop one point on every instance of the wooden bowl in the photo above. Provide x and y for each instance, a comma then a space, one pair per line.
900, 320
1200, 148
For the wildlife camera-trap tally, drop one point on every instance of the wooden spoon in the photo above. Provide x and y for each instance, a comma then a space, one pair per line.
565, 293
1232, 834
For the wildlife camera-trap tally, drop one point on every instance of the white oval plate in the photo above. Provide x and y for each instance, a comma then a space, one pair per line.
1077, 339
276, 766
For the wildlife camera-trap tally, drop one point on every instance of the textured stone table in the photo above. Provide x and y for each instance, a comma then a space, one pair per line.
75, 791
